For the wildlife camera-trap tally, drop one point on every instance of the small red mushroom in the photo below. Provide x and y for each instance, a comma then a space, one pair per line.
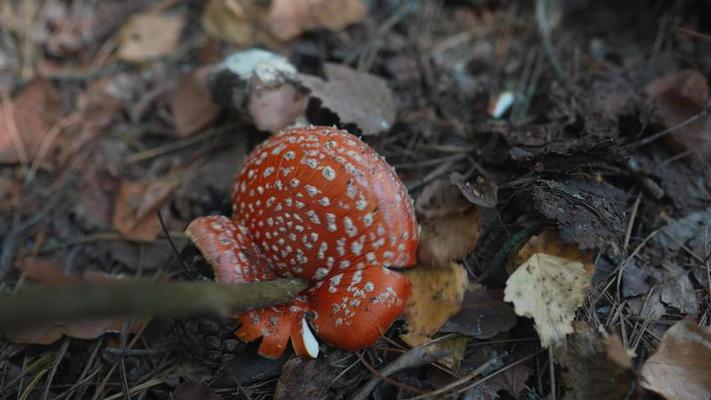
319, 204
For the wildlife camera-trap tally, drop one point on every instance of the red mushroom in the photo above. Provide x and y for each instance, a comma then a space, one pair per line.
319, 204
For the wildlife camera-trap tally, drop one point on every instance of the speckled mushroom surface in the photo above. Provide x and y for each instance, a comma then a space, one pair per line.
319, 204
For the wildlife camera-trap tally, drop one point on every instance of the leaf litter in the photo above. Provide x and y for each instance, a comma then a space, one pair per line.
611, 159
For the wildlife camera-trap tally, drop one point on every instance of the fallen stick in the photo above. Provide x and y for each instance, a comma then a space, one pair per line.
38, 306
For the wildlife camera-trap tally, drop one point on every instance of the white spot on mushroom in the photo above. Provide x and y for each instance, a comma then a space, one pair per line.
268, 171
369, 287
356, 248
294, 182
368, 219
328, 173
351, 230
311, 190
320, 273
324, 201
278, 149
290, 155
331, 222
313, 217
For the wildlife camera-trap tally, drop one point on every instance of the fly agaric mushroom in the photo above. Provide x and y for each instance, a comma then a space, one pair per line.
319, 204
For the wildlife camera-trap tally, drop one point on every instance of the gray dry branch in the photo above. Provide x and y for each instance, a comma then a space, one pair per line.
46, 305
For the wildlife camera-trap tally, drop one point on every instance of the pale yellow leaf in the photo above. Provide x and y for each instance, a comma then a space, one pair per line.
548, 289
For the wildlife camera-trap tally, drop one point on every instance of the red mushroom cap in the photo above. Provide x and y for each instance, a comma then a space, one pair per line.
320, 204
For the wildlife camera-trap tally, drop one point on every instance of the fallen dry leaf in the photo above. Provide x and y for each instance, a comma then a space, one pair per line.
47, 271
548, 242
681, 367
480, 190
589, 371
356, 97
437, 294
135, 206
231, 20
481, 316
549, 289
288, 19
26, 120
147, 37
679, 96
244, 22
448, 238
440, 198
191, 104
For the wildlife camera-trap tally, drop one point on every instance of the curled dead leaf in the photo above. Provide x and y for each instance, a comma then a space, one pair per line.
437, 294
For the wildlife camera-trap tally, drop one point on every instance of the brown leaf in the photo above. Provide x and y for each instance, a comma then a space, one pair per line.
304, 379
481, 316
26, 120
481, 190
440, 198
681, 367
288, 19
356, 97
548, 242
437, 294
191, 104
589, 374
135, 206
149, 36
448, 238
679, 96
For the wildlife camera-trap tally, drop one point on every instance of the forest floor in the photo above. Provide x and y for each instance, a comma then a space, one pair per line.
577, 129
